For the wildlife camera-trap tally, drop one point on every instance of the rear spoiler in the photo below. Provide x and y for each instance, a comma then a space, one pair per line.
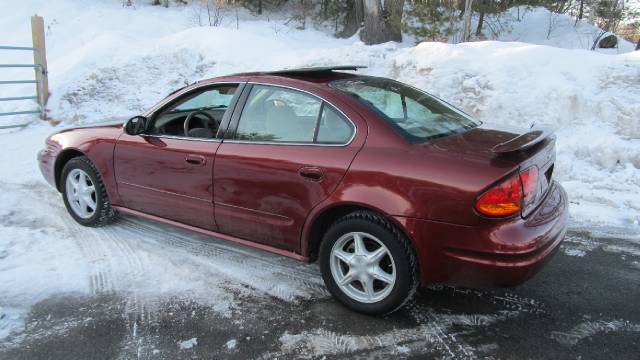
524, 141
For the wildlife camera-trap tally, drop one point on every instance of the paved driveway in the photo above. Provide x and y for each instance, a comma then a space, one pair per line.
585, 304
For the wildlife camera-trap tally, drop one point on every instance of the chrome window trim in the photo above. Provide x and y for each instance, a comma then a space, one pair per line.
280, 143
353, 125
180, 138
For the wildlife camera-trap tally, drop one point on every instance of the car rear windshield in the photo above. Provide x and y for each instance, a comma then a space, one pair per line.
415, 114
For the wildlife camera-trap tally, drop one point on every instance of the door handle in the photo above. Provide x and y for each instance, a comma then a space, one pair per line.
195, 159
311, 172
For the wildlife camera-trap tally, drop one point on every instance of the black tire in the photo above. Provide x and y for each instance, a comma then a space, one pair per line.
400, 249
104, 213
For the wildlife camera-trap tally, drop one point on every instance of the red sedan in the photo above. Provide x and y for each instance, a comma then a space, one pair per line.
385, 185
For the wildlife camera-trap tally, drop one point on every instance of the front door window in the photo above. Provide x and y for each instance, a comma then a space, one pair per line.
197, 115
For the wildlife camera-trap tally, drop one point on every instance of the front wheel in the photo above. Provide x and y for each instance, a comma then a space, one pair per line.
84, 194
367, 264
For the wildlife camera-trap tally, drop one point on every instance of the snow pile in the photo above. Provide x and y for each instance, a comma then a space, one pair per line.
109, 61
542, 27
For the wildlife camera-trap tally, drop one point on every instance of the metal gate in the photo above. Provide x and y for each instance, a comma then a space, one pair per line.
39, 85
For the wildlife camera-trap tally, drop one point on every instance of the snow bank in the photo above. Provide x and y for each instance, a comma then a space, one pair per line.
540, 26
107, 61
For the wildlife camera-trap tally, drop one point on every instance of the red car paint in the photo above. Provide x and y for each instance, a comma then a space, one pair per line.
254, 194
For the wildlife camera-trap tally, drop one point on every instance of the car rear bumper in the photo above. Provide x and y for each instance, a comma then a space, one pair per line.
497, 253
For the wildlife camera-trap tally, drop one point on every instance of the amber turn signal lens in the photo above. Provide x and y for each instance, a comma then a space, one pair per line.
503, 199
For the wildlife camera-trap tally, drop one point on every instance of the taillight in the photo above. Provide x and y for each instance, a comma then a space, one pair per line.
529, 178
510, 196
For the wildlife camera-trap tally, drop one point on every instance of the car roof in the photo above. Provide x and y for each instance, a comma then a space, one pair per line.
321, 74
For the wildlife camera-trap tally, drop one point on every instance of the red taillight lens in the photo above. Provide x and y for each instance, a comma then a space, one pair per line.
529, 180
511, 195
503, 199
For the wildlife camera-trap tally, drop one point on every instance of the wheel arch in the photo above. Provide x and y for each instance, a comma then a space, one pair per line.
321, 222
61, 160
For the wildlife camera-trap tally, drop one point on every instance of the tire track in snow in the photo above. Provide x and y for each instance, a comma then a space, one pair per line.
506, 299
434, 333
284, 278
588, 329
112, 249
115, 254
435, 330
137, 313
97, 254
43, 207
103, 250
439, 330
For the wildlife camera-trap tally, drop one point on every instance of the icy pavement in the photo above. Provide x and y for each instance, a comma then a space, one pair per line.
577, 307
147, 290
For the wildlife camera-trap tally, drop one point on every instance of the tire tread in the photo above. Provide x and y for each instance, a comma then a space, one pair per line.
107, 214
399, 237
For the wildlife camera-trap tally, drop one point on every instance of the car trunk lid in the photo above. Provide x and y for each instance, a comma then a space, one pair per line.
506, 149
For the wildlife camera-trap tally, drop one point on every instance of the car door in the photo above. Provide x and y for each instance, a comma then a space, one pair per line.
168, 171
286, 151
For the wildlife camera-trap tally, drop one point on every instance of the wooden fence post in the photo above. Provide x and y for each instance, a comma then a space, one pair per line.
40, 57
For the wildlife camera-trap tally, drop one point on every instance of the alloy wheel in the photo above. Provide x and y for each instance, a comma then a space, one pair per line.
362, 267
81, 193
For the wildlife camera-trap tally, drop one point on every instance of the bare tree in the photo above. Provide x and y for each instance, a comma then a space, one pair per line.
382, 22
481, 19
209, 12
554, 19
580, 12
301, 11
466, 20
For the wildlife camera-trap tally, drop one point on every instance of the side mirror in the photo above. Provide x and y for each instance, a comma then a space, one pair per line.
136, 125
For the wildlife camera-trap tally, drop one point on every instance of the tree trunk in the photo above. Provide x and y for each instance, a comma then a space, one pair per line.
580, 12
466, 30
480, 23
382, 23
638, 45
353, 19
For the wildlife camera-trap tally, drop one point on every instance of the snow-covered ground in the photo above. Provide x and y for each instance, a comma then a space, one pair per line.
106, 60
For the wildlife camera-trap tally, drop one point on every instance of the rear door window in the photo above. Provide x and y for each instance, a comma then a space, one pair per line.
283, 115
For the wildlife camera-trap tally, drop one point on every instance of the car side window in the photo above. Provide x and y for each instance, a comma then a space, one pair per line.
197, 115
275, 114
333, 127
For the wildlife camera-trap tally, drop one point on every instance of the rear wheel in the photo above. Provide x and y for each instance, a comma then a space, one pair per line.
84, 194
367, 264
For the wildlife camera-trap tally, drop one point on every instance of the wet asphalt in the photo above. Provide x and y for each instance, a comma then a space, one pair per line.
584, 305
